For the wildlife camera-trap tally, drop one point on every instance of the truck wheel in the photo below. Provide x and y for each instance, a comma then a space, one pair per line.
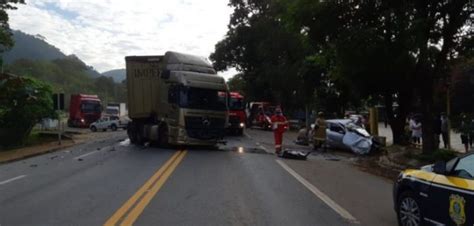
163, 136
132, 134
93, 129
240, 132
113, 127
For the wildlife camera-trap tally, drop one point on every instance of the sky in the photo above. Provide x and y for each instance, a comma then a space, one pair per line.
103, 32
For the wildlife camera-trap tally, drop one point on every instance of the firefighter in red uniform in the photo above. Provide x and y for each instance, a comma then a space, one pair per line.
279, 125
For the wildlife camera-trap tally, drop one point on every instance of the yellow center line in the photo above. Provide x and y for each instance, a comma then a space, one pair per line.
133, 215
144, 189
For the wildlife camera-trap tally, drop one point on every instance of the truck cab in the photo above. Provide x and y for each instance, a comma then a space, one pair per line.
237, 116
175, 99
84, 110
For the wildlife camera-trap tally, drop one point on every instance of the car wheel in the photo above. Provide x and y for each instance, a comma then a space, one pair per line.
104, 130
113, 127
93, 129
409, 210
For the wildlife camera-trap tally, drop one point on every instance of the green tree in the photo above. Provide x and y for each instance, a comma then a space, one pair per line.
393, 49
6, 41
23, 102
268, 55
237, 84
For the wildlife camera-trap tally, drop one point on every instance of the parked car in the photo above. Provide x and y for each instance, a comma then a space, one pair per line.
438, 194
111, 122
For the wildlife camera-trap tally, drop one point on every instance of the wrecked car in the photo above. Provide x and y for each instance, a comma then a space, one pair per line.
342, 134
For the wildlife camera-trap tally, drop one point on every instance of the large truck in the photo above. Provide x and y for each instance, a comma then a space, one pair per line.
83, 110
175, 99
237, 116
116, 109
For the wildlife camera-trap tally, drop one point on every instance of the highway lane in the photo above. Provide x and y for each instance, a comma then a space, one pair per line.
108, 181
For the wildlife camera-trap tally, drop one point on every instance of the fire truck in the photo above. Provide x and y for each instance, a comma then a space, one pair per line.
237, 117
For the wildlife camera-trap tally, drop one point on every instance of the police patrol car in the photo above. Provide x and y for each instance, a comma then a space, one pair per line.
439, 194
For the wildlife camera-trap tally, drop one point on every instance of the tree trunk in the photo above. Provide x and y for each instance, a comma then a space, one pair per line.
428, 115
397, 120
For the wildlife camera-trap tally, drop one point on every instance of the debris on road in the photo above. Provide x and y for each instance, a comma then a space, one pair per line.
291, 154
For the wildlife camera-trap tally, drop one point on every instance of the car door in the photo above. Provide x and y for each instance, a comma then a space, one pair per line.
452, 196
103, 123
98, 123
335, 133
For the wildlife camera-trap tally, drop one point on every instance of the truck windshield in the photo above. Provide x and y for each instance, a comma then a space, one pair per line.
236, 104
197, 98
90, 106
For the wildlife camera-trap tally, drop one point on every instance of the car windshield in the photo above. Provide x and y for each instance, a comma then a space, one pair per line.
90, 106
205, 99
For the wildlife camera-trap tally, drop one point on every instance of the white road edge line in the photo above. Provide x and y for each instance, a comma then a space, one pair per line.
12, 179
247, 135
84, 155
341, 211
264, 148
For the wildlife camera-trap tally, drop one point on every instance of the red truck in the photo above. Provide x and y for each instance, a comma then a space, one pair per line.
260, 114
84, 110
237, 116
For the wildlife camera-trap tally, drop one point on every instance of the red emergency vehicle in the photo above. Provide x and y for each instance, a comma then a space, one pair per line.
84, 110
260, 114
237, 117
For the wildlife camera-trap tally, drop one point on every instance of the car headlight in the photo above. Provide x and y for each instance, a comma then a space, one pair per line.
242, 125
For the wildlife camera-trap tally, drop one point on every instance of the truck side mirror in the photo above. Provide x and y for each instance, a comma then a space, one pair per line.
165, 74
440, 168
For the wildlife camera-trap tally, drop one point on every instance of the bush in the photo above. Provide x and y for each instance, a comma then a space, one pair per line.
438, 155
23, 102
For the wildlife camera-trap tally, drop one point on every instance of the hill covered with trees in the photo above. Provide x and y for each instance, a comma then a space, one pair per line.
33, 56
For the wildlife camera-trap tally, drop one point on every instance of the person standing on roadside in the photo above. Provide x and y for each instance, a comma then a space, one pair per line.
320, 130
444, 130
464, 129
471, 133
279, 125
437, 130
416, 131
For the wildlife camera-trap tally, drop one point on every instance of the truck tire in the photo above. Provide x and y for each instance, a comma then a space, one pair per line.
163, 136
132, 134
240, 132
113, 127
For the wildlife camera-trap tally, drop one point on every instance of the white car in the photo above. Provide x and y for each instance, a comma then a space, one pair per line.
105, 123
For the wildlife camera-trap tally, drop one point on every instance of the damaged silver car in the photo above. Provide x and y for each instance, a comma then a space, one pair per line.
342, 134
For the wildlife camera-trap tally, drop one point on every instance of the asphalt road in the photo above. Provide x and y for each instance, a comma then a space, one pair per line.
107, 181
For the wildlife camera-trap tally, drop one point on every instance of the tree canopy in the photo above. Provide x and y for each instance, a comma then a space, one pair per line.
336, 52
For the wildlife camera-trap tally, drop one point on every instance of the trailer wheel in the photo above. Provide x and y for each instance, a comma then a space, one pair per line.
132, 134
163, 136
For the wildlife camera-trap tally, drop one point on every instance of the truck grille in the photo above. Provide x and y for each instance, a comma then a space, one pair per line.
204, 128
234, 121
